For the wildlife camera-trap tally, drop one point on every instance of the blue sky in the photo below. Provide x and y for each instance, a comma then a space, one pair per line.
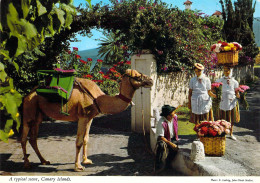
206, 6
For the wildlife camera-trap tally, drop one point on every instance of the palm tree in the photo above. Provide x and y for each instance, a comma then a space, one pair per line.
111, 49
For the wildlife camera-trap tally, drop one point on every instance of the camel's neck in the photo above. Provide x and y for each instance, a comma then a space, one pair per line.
113, 104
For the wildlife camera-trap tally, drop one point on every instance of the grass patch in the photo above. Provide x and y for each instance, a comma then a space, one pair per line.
184, 126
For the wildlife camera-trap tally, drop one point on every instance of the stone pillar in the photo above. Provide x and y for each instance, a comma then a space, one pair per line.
146, 64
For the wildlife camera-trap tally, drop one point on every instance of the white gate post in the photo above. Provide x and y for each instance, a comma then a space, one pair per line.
146, 64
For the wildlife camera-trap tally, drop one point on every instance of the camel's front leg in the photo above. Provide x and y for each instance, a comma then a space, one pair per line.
82, 123
86, 161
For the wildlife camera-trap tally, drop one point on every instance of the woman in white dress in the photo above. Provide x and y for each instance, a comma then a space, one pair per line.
200, 95
229, 109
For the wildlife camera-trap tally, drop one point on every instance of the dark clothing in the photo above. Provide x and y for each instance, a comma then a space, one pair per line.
161, 145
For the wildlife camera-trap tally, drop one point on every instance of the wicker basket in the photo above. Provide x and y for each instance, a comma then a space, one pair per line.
228, 58
214, 146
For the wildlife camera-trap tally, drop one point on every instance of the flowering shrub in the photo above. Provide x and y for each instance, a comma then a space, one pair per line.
242, 89
224, 46
169, 33
69, 59
213, 128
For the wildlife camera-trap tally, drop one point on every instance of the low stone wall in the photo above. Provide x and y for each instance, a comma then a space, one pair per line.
173, 88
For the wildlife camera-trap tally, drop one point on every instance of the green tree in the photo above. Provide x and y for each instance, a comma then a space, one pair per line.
112, 49
238, 25
23, 28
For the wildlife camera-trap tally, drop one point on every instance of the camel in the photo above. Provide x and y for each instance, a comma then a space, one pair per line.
86, 101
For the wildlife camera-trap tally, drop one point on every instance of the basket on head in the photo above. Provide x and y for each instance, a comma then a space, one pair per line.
228, 58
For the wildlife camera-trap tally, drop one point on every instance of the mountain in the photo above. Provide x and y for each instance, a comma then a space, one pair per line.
256, 29
91, 53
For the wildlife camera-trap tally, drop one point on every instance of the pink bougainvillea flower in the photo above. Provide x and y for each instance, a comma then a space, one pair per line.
216, 85
75, 48
160, 52
239, 89
244, 87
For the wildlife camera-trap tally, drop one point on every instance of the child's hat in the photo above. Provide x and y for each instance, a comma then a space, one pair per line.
199, 66
166, 110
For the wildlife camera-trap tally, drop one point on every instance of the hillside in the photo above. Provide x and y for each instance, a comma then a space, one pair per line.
91, 53
256, 29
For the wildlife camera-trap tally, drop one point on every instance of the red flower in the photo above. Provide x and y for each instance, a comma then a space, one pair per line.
99, 60
77, 56
89, 59
75, 48
100, 72
128, 62
204, 130
100, 81
117, 75
68, 51
106, 77
88, 76
115, 65
82, 61
213, 47
112, 69
213, 132
224, 44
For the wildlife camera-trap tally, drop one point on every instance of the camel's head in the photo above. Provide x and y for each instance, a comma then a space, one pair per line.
138, 80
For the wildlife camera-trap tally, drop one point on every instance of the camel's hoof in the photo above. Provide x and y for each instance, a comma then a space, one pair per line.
87, 162
46, 163
79, 169
27, 166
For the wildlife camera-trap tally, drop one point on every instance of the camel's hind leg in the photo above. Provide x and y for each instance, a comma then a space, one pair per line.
86, 161
23, 143
33, 138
